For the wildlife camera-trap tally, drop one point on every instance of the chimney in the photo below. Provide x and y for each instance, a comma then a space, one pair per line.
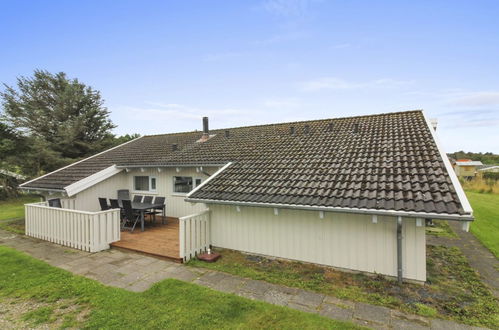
206, 131
434, 123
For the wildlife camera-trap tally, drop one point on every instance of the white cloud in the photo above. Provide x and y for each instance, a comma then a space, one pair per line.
288, 7
475, 99
338, 84
171, 112
283, 103
342, 46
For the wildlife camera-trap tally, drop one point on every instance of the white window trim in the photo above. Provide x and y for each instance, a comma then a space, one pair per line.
150, 191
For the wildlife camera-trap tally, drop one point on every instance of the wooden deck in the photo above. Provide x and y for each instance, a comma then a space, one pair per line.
158, 240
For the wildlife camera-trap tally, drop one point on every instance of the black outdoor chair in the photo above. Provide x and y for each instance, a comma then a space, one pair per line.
130, 219
55, 202
123, 194
147, 200
137, 198
103, 204
158, 209
116, 205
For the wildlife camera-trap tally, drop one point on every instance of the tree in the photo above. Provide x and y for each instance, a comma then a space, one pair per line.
62, 118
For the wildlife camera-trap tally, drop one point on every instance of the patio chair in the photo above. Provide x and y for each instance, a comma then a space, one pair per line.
147, 200
158, 209
137, 198
103, 204
123, 194
129, 216
55, 202
116, 205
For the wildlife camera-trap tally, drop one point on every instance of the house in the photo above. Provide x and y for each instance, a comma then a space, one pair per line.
352, 193
466, 168
489, 168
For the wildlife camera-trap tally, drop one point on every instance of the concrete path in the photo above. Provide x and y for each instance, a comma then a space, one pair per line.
136, 272
479, 257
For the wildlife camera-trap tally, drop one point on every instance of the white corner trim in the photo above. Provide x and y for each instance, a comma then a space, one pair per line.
453, 177
91, 180
62, 168
209, 179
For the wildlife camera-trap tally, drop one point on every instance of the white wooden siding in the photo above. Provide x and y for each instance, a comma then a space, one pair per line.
87, 231
342, 240
87, 199
175, 204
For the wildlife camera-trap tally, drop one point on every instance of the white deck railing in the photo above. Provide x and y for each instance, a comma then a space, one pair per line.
194, 234
88, 231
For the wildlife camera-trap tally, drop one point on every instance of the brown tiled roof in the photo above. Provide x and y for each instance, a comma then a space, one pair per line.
386, 162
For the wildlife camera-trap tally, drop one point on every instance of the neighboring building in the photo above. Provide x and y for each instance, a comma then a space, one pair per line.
489, 168
466, 168
352, 193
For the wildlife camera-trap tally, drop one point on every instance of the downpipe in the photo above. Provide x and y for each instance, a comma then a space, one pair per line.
399, 249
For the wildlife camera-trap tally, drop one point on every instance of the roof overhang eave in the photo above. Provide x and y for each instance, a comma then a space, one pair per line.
394, 213
43, 189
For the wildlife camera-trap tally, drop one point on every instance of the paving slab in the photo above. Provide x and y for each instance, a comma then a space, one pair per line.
408, 325
335, 312
308, 298
372, 313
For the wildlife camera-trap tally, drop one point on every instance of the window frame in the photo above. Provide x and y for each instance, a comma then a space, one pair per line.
194, 185
150, 178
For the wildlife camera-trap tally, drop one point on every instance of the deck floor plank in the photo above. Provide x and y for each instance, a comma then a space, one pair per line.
159, 240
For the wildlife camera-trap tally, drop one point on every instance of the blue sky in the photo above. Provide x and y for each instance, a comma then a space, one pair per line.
162, 65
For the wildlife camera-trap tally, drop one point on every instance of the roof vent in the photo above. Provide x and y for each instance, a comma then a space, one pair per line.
227, 133
306, 129
356, 128
292, 130
174, 147
330, 127
434, 123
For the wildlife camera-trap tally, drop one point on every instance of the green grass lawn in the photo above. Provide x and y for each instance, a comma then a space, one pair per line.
453, 289
486, 224
14, 208
63, 297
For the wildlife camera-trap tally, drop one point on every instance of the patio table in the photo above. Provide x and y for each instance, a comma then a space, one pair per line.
142, 208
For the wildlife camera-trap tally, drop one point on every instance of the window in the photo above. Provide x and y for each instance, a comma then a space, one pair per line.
184, 184
144, 183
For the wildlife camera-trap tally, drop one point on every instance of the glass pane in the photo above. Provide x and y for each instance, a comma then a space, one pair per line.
153, 183
182, 184
198, 182
142, 183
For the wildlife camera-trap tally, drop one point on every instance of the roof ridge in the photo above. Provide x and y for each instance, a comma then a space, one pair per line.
291, 122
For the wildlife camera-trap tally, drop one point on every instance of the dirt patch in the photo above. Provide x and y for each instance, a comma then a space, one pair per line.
30, 314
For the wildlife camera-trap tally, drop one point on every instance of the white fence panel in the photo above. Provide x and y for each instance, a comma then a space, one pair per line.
194, 232
88, 231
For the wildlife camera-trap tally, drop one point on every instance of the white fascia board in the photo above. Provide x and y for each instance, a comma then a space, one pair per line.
392, 213
62, 168
91, 180
453, 177
209, 179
